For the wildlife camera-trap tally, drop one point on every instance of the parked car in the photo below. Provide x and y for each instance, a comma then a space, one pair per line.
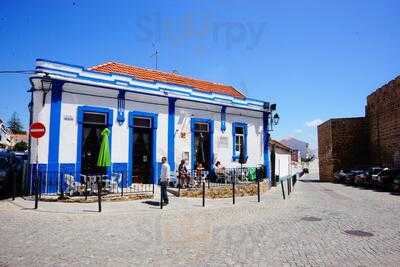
340, 176
361, 178
396, 183
349, 179
385, 178
4, 172
373, 172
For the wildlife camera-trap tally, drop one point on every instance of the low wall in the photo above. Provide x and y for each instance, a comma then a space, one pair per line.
225, 191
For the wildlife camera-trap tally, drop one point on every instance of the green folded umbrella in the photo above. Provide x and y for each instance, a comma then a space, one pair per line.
104, 159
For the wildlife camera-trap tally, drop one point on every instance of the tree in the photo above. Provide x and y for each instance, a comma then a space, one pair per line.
15, 124
21, 146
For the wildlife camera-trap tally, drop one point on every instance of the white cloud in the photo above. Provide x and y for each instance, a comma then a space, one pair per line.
314, 123
298, 131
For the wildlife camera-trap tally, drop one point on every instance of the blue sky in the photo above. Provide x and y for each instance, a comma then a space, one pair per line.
316, 60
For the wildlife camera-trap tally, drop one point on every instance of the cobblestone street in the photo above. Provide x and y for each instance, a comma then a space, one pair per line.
308, 228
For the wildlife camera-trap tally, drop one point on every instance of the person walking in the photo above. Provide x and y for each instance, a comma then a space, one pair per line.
164, 179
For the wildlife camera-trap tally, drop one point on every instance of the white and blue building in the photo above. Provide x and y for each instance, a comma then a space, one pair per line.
150, 114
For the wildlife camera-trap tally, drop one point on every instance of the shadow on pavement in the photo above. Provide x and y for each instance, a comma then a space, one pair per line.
311, 181
151, 203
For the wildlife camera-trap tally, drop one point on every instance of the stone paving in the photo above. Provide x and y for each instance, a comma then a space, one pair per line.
306, 229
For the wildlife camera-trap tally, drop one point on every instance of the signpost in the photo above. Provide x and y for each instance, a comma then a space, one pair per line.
37, 130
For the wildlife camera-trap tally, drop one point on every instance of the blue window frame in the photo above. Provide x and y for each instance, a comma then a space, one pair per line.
239, 139
210, 123
80, 120
153, 125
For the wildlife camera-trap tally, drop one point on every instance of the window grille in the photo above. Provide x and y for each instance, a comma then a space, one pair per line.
94, 118
142, 122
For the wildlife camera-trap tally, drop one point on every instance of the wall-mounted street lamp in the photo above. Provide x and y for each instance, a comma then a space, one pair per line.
270, 119
46, 85
273, 116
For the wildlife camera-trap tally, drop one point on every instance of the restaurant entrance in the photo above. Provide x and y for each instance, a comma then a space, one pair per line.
142, 151
201, 144
93, 124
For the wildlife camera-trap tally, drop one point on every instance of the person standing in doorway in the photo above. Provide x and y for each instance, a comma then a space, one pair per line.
164, 179
183, 174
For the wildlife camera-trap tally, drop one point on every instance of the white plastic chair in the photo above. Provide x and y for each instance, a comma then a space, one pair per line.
116, 179
72, 186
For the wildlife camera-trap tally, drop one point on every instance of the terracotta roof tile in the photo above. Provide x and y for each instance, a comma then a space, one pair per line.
168, 77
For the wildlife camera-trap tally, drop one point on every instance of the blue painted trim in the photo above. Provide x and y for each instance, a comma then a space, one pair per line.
223, 119
55, 121
121, 107
121, 167
171, 133
193, 92
154, 126
66, 168
42, 173
81, 110
234, 126
211, 131
266, 144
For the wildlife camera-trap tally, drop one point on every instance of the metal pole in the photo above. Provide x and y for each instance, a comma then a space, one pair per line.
37, 175
99, 185
283, 190
288, 187
61, 186
258, 189
86, 186
161, 195
233, 192
122, 186
14, 177
204, 194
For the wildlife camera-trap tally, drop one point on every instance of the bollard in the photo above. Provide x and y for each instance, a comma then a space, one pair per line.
99, 185
208, 181
204, 194
86, 186
258, 189
122, 186
161, 199
13, 185
61, 189
233, 192
283, 190
36, 192
153, 189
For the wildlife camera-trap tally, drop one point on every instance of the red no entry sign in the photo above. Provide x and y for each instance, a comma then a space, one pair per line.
37, 130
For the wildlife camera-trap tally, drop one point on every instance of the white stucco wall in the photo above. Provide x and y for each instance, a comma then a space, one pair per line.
41, 113
282, 162
72, 98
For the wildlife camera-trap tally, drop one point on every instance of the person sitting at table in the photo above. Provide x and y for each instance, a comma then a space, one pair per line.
183, 174
199, 172
219, 171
